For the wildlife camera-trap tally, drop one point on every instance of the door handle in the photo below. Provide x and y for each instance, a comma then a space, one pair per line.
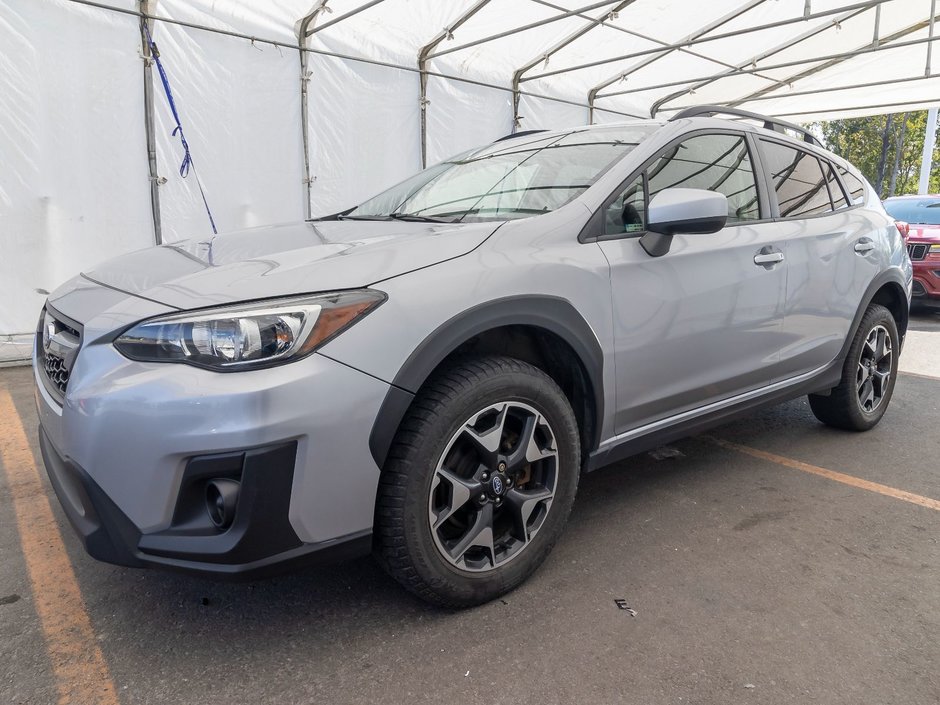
864, 245
764, 258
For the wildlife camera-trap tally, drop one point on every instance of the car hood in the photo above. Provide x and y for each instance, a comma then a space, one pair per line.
923, 233
281, 260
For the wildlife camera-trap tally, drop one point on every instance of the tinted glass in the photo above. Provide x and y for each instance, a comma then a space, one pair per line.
516, 178
917, 211
715, 162
854, 185
835, 190
627, 214
798, 180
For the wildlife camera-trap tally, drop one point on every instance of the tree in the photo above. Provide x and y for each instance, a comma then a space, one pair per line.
883, 146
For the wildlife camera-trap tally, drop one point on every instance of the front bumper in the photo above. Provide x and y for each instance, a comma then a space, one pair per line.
926, 281
259, 542
125, 444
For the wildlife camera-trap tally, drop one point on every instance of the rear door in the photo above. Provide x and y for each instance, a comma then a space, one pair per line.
831, 254
704, 321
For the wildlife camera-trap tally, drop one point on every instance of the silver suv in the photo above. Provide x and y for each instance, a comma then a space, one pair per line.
427, 375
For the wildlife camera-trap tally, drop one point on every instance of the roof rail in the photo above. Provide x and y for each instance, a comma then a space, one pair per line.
769, 122
519, 134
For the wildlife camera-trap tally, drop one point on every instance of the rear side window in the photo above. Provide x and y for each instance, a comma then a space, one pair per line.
719, 163
835, 190
798, 180
854, 186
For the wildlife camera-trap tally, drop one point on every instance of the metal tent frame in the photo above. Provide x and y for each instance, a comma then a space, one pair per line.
694, 44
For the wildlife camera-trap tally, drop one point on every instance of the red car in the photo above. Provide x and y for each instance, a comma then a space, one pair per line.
921, 216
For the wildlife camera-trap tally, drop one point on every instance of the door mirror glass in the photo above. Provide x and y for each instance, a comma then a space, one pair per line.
687, 210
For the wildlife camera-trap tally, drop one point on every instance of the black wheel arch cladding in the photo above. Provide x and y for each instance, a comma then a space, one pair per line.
552, 314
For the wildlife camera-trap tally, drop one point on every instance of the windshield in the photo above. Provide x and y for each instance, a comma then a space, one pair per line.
925, 211
516, 178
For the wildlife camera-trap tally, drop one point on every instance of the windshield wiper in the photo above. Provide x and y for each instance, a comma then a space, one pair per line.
419, 218
362, 217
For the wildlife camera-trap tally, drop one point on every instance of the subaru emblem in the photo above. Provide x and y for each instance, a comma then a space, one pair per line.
497, 485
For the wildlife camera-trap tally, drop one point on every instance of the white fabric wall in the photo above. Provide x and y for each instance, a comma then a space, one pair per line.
73, 181
240, 108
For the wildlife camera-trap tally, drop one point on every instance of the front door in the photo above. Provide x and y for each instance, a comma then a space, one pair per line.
703, 322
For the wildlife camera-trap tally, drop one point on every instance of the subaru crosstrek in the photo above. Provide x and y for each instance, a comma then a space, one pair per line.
427, 375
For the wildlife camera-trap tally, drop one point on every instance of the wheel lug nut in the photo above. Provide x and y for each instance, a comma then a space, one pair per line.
486, 476
502, 467
499, 500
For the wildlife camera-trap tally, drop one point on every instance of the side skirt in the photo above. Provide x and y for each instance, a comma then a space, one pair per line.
696, 421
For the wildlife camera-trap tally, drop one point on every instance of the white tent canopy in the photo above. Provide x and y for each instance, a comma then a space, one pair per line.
291, 109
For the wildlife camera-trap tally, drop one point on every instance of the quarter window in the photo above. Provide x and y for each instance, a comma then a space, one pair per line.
798, 180
627, 214
854, 185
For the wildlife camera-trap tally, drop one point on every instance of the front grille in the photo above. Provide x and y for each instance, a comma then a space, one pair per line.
57, 343
56, 371
917, 251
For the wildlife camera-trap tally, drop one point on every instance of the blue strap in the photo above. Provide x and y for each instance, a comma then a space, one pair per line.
187, 162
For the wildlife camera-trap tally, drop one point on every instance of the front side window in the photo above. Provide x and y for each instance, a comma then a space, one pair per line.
516, 178
714, 162
798, 180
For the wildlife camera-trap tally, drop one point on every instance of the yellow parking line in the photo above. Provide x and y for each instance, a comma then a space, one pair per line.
830, 474
81, 673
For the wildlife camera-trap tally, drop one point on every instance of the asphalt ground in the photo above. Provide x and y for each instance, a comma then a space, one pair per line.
773, 560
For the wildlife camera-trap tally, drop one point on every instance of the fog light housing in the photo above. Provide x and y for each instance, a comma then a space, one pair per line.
221, 501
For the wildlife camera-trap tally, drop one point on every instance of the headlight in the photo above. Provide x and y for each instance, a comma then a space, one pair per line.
247, 336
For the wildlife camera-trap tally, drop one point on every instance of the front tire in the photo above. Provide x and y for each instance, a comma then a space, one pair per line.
479, 482
868, 375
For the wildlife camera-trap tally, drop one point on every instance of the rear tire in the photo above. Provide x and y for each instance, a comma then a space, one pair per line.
479, 482
868, 375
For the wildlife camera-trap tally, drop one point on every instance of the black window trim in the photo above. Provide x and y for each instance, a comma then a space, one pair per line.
595, 224
799, 146
838, 180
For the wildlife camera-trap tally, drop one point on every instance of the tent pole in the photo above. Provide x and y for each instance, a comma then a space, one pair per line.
867, 46
145, 7
544, 56
752, 61
523, 28
658, 105
701, 32
702, 40
424, 54
637, 35
933, 17
836, 89
926, 160
343, 17
302, 35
